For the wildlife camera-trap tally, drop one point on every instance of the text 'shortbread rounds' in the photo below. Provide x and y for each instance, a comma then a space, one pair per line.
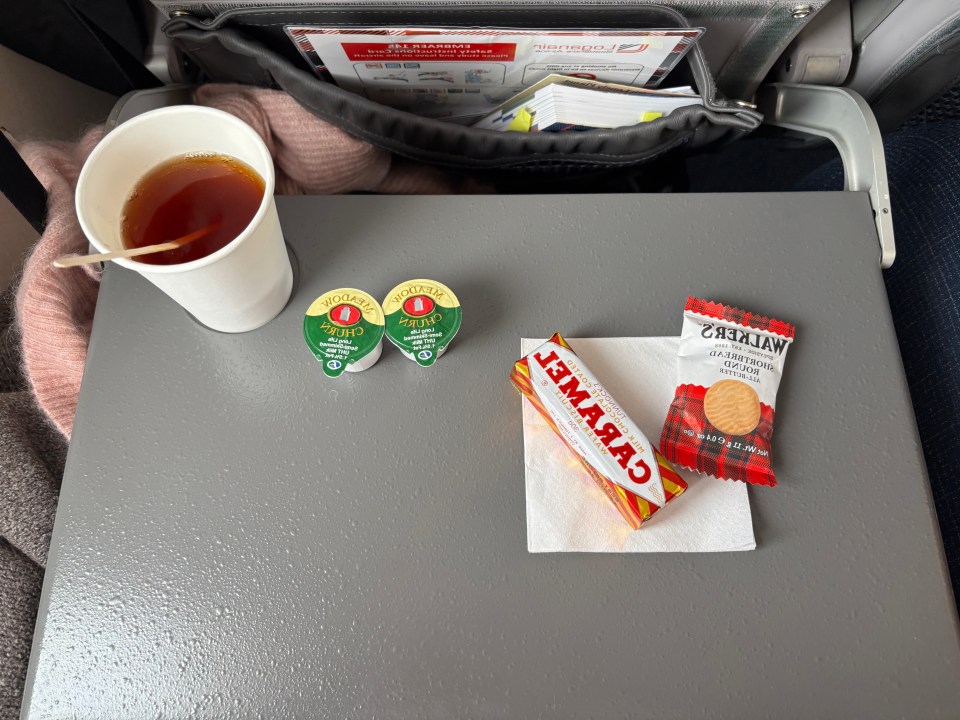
732, 407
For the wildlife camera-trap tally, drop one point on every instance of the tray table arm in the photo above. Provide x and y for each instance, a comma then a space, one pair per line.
843, 117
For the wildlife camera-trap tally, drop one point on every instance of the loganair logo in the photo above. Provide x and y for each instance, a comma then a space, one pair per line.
633, 48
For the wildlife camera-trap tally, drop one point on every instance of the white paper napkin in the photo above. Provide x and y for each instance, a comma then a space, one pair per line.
567, 512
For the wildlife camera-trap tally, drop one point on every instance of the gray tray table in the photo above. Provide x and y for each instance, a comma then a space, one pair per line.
241, 537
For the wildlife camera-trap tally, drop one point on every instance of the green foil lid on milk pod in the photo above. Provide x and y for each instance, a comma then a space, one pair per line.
344, 329
422, 317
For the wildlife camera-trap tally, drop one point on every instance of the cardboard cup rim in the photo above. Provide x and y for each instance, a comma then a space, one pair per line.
131, 125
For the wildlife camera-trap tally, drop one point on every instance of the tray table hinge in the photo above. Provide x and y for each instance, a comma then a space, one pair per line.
843, 117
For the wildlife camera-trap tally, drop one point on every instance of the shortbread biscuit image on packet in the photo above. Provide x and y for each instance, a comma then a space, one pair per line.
720, 422
732, 406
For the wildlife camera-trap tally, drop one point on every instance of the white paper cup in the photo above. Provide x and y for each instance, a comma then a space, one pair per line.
241, 286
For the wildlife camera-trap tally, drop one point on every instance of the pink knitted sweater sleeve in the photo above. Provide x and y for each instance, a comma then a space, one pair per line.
55, 307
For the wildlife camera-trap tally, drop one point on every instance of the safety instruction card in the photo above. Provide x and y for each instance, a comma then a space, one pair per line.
452, 71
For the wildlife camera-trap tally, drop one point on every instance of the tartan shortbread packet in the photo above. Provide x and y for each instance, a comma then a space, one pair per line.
720, 422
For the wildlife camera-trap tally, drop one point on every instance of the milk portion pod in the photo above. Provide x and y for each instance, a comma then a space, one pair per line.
344, 330
422, 318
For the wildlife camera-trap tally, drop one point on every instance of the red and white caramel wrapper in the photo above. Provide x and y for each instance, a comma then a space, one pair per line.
720, 422
613, 451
